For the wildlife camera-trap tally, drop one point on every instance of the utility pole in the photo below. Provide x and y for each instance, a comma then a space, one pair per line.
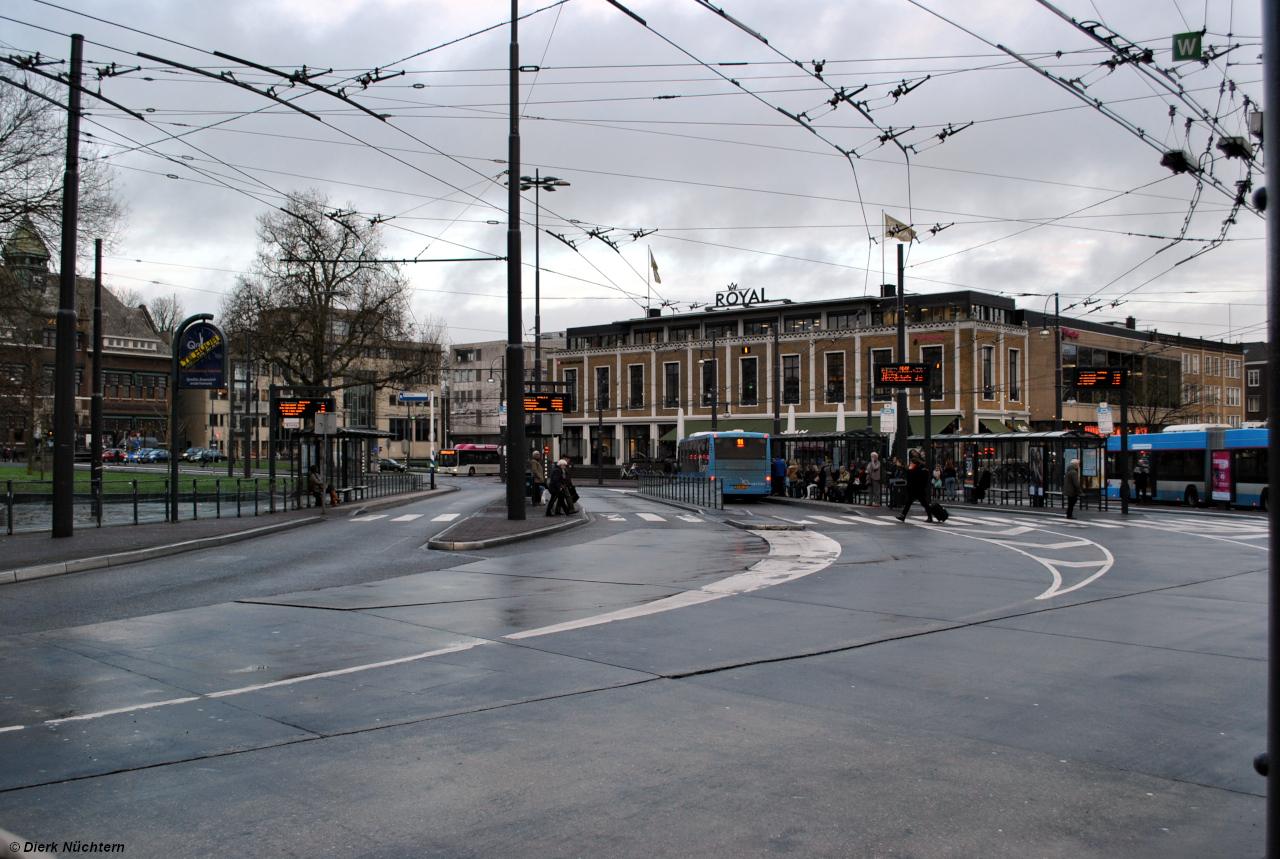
550, 184
1271, 131
715, 381
1057, 364
244, 423
95, 408
64, 401
904, 421
515, 326
777, 381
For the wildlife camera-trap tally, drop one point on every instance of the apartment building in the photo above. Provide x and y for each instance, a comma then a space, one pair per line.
477, 394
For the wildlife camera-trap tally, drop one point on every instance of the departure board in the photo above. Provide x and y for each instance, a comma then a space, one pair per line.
1097, 377
904, 375
544, 402
295, 407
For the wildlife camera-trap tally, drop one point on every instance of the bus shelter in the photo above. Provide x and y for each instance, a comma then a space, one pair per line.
352, 453
850, 448
1024, 468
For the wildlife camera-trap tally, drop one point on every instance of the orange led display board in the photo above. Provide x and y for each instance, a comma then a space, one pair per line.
544, 403
904, 375
1097, 377
294, 407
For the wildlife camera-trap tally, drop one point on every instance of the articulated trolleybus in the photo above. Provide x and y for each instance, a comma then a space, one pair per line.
469, 459
1197, 464
738, 461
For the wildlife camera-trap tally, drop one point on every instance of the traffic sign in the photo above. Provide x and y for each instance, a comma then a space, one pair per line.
409, 397
1097, 377
1188, 46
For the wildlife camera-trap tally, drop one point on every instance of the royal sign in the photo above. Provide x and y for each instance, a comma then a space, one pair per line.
202, 357
736, 296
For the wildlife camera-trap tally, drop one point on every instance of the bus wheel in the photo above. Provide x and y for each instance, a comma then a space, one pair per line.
1262, 501
1191, 498
471, 472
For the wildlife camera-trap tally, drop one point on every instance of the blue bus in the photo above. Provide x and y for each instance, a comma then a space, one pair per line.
1183, 464
738, 460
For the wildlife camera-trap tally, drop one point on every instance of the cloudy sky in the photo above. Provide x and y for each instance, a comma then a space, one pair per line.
678, 128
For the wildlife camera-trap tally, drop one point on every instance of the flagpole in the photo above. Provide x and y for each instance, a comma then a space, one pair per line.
648, 299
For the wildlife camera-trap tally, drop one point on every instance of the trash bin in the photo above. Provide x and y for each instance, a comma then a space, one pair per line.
897, 492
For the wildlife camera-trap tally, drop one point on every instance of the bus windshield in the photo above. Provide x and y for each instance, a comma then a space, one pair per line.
448, 458
755, 449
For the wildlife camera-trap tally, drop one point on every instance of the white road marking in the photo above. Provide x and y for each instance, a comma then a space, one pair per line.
446, 517
615, 517
792, 555
369, 518
651, 517
457, 648
829, 519
794, 521
690, 518
11, 728
407, 518
866, 520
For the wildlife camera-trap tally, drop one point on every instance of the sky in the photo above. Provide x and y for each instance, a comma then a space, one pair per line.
724, 155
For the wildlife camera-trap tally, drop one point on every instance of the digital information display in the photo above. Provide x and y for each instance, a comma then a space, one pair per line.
295, 407
904, 375
1097, 377
544, 402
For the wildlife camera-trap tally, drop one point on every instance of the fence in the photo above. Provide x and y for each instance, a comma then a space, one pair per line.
687, 488
28, 503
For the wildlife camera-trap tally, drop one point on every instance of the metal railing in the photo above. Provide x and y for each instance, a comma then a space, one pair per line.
699, 490
28, 504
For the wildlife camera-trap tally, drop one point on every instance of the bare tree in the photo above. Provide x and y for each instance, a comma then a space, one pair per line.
321, 306
166, 312
33, 140
129, 296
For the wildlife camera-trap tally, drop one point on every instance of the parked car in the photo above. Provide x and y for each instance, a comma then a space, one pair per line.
114, 454
212, 456
192, 454
391, 465
139, 455
158, 454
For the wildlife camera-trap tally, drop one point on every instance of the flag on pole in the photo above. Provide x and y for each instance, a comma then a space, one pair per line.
895, 229
654, 263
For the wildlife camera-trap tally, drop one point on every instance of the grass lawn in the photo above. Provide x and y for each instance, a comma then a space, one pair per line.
118, 482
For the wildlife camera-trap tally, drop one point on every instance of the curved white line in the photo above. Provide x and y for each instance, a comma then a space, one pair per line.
792, 555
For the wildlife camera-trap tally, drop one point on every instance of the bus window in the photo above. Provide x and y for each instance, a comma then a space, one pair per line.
742, 448
448, 459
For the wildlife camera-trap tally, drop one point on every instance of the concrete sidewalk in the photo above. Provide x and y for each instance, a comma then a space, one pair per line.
38, 550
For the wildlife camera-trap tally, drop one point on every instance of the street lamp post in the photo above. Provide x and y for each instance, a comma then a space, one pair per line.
515, 324
538, 183
1057, 359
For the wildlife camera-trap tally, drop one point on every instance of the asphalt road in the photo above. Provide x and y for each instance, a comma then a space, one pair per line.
655, 683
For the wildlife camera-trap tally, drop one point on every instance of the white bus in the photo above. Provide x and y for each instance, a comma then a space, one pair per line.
469, 459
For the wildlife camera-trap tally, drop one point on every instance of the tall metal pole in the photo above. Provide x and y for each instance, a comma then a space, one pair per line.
95, 408
1271, 131
537, 276
64, 400
515, 324
244, 424
715, 381
777, 381
904, 421
599, 438
1057, 364
1124, 450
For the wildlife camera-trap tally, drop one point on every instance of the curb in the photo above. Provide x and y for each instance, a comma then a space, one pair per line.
400, 500
472, 545
120, 558
748, 526
690, 508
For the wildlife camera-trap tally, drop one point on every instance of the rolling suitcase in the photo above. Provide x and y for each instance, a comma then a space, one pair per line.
937, 511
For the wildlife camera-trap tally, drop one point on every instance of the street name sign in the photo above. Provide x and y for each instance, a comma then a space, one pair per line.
410, 397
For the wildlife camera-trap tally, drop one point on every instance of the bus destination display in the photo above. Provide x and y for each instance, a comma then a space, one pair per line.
903, 375
544, 403
1098, 377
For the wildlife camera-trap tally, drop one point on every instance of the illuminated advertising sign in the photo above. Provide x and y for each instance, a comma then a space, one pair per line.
202, 357
1221, 460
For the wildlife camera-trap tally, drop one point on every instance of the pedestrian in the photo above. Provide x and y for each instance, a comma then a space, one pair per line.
558, 502
873, 478
779, 483
315, 485
1071, 487
917, 488
537, 478
793, 479
844, 486
983, 484
570, 491
949, 480
1140, 474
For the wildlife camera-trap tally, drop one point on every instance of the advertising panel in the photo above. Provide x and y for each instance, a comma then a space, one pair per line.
1221, 475
202, 357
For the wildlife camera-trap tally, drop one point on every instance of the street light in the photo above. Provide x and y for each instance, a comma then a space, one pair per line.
538, 183
1057, 359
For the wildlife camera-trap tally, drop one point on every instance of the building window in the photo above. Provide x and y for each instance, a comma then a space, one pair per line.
932, 355
1255, 378
635, 386
399, 429
1015, 390
466, 355
756, 327
879, 358
571, 390
837, 321
679, 333
1233, 396
671, 385
602, 388
1233, 368
710, 382
648, 335
1234, 420
50, 337
722, 329
988, 373
802, 324
1255, 405
835, 377
748, 369
790, 380
1195, 364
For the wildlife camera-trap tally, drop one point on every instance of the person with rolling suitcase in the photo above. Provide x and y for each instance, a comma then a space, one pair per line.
917, 488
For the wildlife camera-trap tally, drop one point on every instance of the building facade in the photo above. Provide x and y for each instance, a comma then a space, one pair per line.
809, 365
477, 392
1256, 376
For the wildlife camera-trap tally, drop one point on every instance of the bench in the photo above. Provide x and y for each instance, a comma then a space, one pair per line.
351, 493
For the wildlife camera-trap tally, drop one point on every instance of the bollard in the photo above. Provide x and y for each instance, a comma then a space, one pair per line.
9, 508
255, 496
135, 501
217, 504
238, 511
167, 512
195, 498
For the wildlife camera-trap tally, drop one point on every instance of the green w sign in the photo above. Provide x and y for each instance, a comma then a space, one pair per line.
1187, 46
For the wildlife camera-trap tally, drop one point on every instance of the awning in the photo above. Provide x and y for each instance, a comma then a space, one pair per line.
937, 425
993, 425
765, 425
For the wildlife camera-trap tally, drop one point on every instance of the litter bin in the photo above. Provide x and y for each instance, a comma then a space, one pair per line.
897, 492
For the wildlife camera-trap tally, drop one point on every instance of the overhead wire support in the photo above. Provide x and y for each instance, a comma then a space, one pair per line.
301, 77
741, 26
32, 68
227, 77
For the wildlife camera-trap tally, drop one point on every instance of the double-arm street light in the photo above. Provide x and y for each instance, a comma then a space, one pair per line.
1057, 357
538, 183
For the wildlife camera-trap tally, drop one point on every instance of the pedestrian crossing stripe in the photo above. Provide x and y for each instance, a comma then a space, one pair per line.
651, 517
446, 517
407, 518
690, 518
829, 519
795, 521
369, 518
865, 520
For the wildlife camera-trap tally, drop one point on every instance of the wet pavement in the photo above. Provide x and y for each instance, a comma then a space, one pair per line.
653, 683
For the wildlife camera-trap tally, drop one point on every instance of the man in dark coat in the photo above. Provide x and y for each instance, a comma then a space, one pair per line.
559, 501
917, 488
1072, 488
